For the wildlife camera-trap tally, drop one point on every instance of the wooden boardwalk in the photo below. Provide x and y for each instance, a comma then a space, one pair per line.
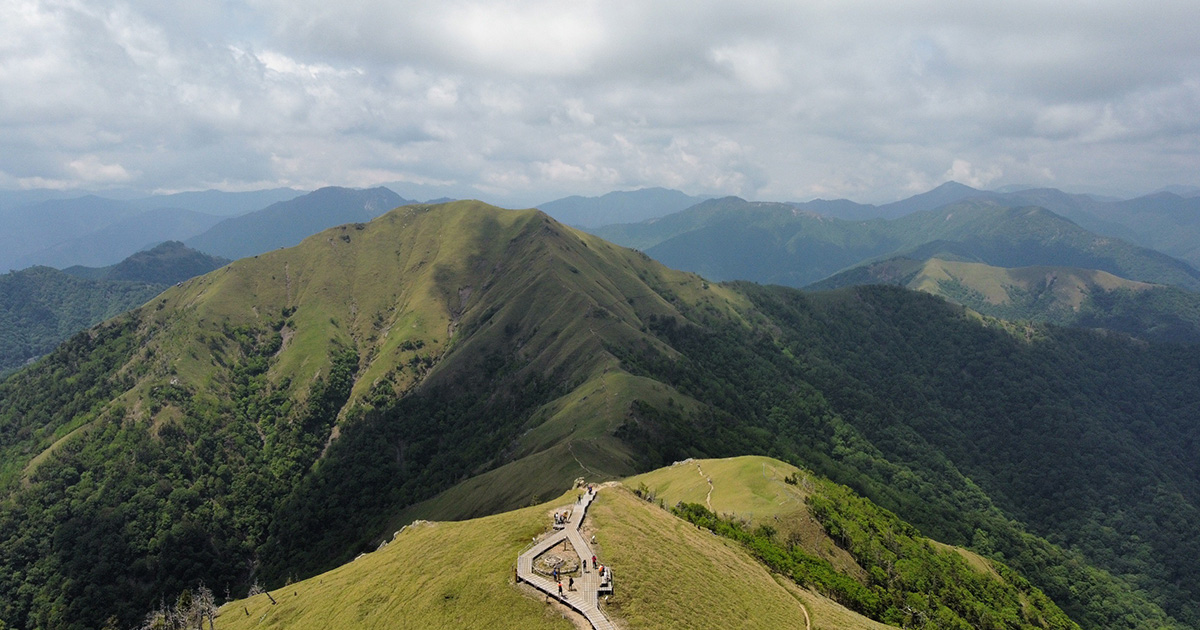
585, 597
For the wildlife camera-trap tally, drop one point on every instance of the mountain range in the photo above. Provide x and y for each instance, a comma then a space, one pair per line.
97, 231
272, 419
731, 238
1167, 220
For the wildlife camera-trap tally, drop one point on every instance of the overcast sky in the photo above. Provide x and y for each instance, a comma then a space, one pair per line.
523, 102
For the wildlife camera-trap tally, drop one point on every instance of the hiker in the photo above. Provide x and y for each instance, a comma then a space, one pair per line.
570, 584
560, 594
593, 562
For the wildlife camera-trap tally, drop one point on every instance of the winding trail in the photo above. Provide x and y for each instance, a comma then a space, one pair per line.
708, 498
585, 597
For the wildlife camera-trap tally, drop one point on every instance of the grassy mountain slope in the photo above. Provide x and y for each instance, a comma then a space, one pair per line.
671, 573
465, 316
1060, 295
839, 543
268, 420
286, 223
460, 575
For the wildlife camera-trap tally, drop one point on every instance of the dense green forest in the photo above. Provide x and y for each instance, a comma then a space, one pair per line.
266, 422
961, 429
41, 307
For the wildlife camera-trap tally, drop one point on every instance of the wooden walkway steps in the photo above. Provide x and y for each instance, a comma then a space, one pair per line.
585, 597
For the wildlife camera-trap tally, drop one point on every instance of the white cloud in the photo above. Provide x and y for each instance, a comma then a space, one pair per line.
756, 65
92, 170
530, 99
964, 172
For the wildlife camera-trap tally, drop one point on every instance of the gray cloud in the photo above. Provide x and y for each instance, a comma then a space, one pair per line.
520, 102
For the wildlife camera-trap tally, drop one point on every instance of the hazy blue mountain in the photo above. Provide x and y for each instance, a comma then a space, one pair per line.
286, 223
731, 238
10, 199
618, 207
220, 203
41, 228
1182, 191
840, 209
947, 193
1165, 221
121, 238
34, 227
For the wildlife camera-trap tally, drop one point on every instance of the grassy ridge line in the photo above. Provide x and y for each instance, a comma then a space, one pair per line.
432, 575
460, 575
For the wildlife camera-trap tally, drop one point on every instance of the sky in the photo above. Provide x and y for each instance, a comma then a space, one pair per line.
519, 103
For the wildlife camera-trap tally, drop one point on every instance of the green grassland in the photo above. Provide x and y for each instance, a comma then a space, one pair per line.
460, 575
670, 573
432, 575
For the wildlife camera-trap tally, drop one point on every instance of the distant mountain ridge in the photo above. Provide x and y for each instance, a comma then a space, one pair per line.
90, 230
618, 207
286, 223
122, 238
1167, 220
726, 239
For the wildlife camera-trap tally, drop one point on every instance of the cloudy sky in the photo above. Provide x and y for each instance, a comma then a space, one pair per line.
522, 102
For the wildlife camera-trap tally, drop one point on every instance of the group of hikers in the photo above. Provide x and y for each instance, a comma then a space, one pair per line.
562, 519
